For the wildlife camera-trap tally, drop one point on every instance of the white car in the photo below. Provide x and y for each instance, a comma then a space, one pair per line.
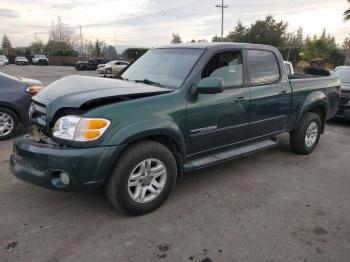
21, 60
40, 60
289, 67
5, 59
112, 67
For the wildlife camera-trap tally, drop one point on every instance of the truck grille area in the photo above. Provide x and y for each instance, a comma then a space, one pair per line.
35, 168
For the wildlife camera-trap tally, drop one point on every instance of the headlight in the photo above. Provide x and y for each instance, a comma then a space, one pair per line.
78, 128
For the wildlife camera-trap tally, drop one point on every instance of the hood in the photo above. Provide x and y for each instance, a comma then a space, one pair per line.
84, 92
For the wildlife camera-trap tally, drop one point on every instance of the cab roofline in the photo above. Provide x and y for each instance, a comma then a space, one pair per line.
218, 45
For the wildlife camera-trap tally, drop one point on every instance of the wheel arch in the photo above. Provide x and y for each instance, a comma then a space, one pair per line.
315, 102
166, 133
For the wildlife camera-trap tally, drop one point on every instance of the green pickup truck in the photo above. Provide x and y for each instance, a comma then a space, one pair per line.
174, 110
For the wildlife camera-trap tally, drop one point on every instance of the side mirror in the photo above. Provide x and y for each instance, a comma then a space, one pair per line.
210, 85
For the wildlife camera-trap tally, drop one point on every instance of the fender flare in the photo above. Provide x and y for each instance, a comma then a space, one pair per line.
148, 128
314, 99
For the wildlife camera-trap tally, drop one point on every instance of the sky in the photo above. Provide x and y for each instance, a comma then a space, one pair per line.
150, 23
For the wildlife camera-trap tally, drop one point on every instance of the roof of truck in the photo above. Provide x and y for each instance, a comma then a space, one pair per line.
217, 45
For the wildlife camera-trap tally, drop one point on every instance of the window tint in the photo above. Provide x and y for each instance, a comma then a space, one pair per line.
228, 66
263, 67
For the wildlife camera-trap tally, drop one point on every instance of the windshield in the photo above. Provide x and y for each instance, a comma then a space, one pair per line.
343, 74
41, 56
168, 67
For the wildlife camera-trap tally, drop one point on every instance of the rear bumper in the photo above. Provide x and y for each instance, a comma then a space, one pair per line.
42, 164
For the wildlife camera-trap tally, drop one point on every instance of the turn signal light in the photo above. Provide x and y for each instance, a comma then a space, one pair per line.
33, 90
97, 123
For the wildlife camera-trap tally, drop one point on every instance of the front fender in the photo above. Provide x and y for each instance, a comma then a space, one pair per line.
148, 128
314, 99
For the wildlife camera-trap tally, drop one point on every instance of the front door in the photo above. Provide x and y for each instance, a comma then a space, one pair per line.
219, 121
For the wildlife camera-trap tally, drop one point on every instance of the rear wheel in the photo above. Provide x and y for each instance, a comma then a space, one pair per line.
305, 139
142, 179
9, 123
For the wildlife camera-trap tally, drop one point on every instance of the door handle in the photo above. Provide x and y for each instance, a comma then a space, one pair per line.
283, 92
239, 99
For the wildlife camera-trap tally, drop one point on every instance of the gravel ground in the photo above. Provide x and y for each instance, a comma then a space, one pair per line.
271, 206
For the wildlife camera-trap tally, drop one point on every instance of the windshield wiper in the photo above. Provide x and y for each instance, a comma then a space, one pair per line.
149, 82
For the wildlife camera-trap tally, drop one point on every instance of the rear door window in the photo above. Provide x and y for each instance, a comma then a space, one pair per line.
263, 67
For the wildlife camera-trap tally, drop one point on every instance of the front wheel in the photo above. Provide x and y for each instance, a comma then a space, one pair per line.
9, 123
305, 139
142, 179
108, 71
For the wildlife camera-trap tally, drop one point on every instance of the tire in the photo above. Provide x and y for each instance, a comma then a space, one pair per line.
108, 71
121, 194
305, 138
8, 116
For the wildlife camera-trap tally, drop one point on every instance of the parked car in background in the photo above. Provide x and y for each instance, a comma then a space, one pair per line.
343, 73
112, 67
119, 66
40, 60
2, 62
15, 96
289, 67
90, 64
176, 109
5, 59
21, 60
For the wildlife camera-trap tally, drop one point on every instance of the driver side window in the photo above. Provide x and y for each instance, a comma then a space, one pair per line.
226, 65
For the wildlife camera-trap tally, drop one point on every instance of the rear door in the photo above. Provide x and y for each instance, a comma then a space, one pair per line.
270, 93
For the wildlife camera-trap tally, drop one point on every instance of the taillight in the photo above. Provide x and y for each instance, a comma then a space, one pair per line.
33, 90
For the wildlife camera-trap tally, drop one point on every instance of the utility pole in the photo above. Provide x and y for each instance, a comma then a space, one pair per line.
115, 41
222, 6
36, 39
81, 42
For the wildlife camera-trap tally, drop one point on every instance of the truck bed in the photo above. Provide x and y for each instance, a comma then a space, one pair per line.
329, 86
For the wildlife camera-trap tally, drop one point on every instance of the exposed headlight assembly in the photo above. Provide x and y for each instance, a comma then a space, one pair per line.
76, 128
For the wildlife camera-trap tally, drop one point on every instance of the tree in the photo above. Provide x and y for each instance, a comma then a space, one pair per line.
239, 34
346, 14
61, 32
97, 49
176, 39
318, 49
111, 52
134, 53
37, 47
268, 31
5, 44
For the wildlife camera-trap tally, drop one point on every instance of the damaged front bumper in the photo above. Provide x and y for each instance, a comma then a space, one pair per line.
43, 164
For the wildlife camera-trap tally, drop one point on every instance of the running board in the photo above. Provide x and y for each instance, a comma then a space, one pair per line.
228, 155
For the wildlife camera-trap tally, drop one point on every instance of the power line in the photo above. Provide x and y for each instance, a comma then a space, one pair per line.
222, 6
